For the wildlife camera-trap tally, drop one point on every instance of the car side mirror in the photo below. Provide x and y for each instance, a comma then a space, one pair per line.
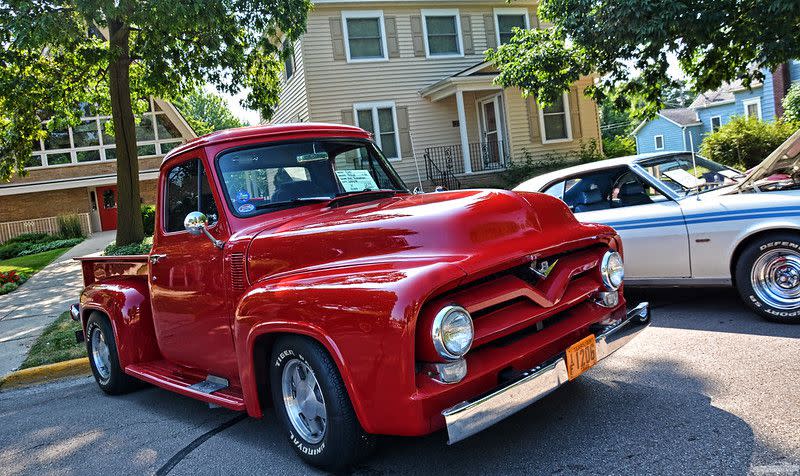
196, 223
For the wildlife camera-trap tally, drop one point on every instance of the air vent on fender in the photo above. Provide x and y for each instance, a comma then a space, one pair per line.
237, 271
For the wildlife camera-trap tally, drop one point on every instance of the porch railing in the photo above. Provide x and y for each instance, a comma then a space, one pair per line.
484, 156
49, 225
440, 177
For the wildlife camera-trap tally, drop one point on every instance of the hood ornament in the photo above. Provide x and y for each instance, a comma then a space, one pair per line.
543, 268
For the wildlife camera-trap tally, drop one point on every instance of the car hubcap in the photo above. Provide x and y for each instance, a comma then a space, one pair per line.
302, 397
776, 278
100, 354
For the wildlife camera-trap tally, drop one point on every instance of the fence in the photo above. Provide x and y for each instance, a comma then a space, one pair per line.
49, 225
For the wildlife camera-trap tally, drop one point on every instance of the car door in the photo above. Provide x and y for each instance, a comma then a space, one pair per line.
187, 289
652, 227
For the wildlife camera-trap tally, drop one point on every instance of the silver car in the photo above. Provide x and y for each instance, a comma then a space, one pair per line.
688, 221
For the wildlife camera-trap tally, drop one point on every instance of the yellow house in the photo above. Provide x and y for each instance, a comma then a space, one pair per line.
413, 73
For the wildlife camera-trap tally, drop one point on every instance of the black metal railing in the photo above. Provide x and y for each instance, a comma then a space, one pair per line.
440, 178
449, 159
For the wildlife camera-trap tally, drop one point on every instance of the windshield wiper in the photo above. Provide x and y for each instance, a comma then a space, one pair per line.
377, 190
294, 201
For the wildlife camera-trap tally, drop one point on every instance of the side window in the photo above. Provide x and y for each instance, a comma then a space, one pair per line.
187, 190
629, 190
591, 192
556, 190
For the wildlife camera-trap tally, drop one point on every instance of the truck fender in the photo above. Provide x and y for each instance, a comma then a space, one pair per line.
364, 316
126, 303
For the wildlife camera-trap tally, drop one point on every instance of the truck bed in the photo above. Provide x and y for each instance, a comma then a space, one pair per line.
99, 268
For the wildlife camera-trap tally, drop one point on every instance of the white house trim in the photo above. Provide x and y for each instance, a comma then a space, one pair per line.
567, 121
442, 12
750, 102
376, 136
509, 11
655, 142
346, 14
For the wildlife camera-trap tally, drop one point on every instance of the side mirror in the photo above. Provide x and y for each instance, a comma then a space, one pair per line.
196, 223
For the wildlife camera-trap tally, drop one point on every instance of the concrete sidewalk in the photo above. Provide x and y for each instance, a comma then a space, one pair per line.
25, 312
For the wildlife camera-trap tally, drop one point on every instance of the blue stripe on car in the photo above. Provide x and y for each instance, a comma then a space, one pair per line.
775, 212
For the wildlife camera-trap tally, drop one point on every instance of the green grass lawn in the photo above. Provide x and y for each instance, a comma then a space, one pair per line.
56, 344
32, 263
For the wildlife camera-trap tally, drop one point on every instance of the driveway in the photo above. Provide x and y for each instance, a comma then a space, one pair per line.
27, 311
709, 388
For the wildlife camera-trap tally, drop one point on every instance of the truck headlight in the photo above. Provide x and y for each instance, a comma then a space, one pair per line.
452, 332
612, 270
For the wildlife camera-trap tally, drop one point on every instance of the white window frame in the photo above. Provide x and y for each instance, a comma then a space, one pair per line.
750, 102
381, 24
376, 135
509, 11
655, 142
567, 122
719, 118
442, 12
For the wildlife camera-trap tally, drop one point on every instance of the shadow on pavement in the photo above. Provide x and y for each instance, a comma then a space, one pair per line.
707, 309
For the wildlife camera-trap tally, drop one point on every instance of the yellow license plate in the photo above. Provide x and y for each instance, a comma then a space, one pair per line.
581, 356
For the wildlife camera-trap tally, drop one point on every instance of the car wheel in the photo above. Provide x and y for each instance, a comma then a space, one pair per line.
103, 358
312, 404
768, 277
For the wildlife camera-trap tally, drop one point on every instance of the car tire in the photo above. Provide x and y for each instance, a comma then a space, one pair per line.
304, 380
101, 348
767, 276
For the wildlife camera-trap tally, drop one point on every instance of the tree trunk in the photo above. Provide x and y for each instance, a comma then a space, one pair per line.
129, 216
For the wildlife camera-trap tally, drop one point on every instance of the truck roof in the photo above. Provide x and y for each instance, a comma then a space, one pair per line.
272, 132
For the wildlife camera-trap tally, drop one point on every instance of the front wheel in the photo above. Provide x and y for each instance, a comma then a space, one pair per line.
768, 277
313, 405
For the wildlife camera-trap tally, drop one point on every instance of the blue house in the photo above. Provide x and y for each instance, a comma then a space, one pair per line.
684, 128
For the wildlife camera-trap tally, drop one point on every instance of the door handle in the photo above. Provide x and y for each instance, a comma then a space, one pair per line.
155, 258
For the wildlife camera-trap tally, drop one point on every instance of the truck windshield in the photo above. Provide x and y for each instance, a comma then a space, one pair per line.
282, 175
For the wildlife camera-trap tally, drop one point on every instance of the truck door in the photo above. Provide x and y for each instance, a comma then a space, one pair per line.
187, 288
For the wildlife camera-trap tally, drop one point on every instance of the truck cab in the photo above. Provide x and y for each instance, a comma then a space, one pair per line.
291, 268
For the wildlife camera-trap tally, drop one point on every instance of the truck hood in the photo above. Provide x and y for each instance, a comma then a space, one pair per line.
474, 229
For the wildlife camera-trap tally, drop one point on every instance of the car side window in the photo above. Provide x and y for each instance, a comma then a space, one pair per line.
188, 190
555, 190
590, 192
630, 190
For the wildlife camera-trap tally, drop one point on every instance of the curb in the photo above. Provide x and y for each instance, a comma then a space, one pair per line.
46, 373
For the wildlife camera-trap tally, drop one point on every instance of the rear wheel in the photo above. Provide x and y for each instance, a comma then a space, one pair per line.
768, 277
313, 405
103, 358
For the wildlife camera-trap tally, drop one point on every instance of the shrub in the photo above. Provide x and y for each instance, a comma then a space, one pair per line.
149, 219
11, 277
11, 250
52, 245
32, 238
69, 226
8, 287
619, 146
791, 104
745, 142
527, 166
142, 248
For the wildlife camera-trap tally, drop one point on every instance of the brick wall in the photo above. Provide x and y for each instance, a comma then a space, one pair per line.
83, 170
780, 86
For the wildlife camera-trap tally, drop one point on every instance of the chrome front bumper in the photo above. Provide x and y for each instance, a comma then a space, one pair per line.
472, 416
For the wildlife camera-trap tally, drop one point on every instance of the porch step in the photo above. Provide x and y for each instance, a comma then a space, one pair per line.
184, 380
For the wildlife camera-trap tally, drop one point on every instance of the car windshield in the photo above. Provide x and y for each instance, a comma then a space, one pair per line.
682, 174
276, 176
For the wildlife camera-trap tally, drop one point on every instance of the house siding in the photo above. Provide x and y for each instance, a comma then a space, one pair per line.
794, 71
293, 98
333, 85
673, 136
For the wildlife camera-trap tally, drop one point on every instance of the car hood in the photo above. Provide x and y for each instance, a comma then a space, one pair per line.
474, 229
784, 160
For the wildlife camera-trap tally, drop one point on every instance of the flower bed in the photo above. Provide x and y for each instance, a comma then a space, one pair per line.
11, 280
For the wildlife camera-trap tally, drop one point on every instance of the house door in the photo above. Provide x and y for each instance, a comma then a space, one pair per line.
108, 207
491, 132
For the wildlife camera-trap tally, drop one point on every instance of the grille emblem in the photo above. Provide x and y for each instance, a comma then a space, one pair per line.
543, 268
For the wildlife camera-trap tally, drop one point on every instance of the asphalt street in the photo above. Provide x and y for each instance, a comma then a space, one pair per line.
709, 388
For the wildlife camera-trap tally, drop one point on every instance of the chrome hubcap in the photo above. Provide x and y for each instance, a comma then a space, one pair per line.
776, 278
302, 397
100, 354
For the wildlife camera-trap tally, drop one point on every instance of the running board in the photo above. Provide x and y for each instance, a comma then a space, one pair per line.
189, 382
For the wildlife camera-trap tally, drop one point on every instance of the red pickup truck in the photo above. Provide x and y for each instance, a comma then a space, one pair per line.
292, 268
